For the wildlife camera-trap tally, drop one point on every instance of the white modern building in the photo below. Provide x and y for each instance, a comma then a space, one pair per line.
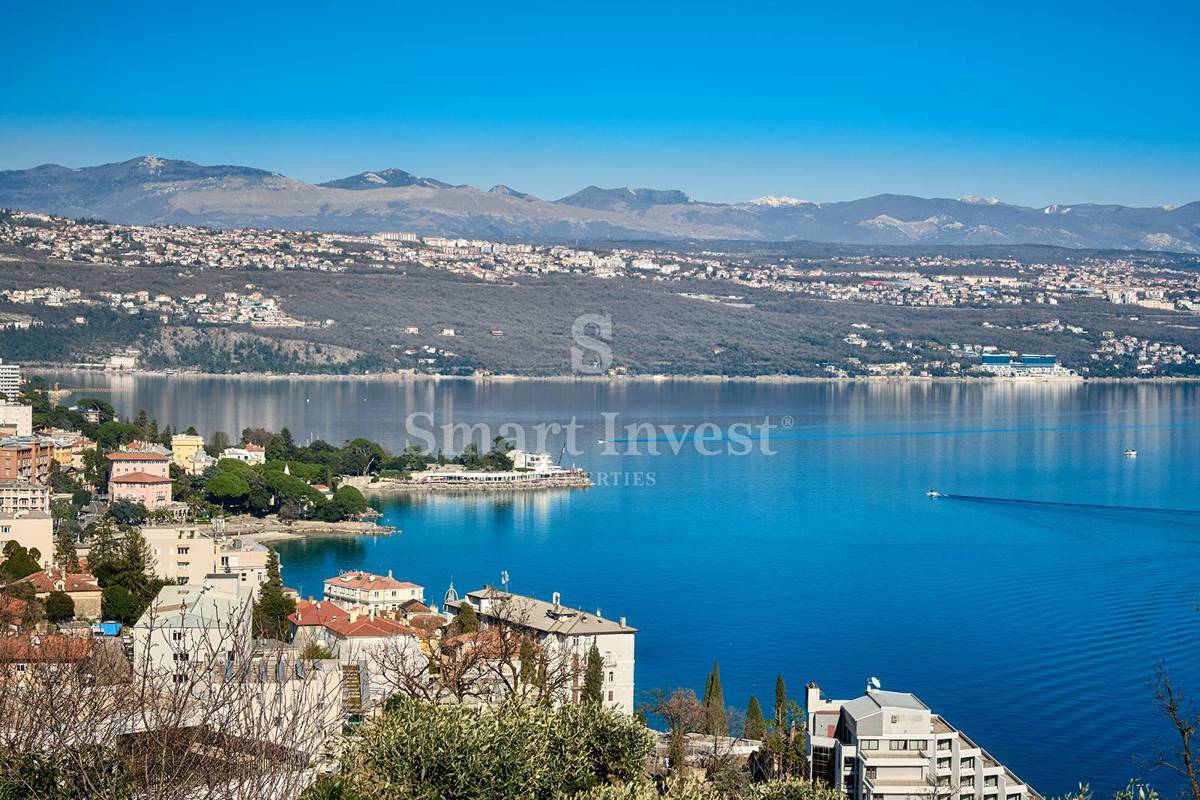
570, 633
250, 454
891, 746
10, 381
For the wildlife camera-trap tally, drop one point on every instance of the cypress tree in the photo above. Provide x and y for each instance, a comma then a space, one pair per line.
756, 726
528, 663
593, 678
781, 704
715, 721
465, 621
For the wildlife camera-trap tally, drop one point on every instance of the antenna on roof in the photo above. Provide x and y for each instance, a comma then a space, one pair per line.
873, 684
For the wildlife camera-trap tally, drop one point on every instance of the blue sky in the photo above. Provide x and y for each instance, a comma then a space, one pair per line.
1030, 102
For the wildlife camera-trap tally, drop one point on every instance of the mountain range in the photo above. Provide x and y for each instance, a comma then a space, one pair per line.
150, 190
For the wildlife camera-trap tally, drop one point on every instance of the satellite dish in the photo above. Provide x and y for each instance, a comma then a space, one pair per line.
873, 682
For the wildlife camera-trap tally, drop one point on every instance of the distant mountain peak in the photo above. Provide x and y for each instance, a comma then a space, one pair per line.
500, 188
624, 198
392, 177
783, 201
976, 200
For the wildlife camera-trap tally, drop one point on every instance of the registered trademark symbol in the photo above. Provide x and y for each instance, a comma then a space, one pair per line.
787, 422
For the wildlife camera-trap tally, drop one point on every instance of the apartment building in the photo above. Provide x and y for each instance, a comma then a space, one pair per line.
140, 477
26, 458
10, 380
30, 529
21, 496
363, 591
189, 553
197, 626
890, 746
16, 419
567, 633
69, 447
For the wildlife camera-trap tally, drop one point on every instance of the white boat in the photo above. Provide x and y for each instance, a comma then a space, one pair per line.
1131, 453
933, 493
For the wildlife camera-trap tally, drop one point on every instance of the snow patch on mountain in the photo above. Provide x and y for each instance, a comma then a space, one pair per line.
1165, 241
374, 178
1055, 208
976, 200
783, 201
152, 164
915, 229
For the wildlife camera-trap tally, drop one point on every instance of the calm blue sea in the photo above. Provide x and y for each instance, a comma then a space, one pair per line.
1034, 628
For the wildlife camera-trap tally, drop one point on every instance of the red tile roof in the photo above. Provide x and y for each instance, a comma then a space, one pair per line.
48, 580
369, 626
310, 612
43, 648
128, 456
139, 477
365, 580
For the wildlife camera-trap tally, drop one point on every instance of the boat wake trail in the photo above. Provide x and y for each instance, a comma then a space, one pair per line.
1185, 513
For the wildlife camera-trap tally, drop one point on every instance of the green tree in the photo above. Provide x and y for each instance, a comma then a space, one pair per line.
227, 489
103, 545
19, 562
593, 678
716, 722
273, 607
465, 621
65, 538
120, 604
281, 447
781, 704
59, 607
126, 512
529, 666
756, 725
349, 501
315, 651
421, 749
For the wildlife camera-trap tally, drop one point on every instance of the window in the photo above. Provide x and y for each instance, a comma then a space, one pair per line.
610, 696
968, 781
991, 780
943, 763
897, 744
871, 772
968, 762
916, 744
868, 744
176, 636
183, 551
966, 796
943, 780
945, 744
1015, 796
848, 763
610, 677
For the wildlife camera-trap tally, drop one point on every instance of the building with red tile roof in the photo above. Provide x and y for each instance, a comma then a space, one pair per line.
80, 586
366, 591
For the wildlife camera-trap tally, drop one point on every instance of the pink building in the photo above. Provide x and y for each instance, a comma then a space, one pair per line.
140, 477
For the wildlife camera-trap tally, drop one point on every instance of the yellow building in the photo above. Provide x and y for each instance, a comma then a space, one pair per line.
183, 450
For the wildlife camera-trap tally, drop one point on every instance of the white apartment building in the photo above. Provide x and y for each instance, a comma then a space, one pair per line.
891, 746
568, 632
17, 497
15, 419
365, 592
190, 553
10, 381
195, 627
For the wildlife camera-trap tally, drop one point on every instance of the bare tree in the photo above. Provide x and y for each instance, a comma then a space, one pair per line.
1181, 712
200, 717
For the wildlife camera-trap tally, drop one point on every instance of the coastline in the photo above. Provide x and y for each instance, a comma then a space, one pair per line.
415, 377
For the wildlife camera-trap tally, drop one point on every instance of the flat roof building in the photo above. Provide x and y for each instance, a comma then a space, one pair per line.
890, 746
